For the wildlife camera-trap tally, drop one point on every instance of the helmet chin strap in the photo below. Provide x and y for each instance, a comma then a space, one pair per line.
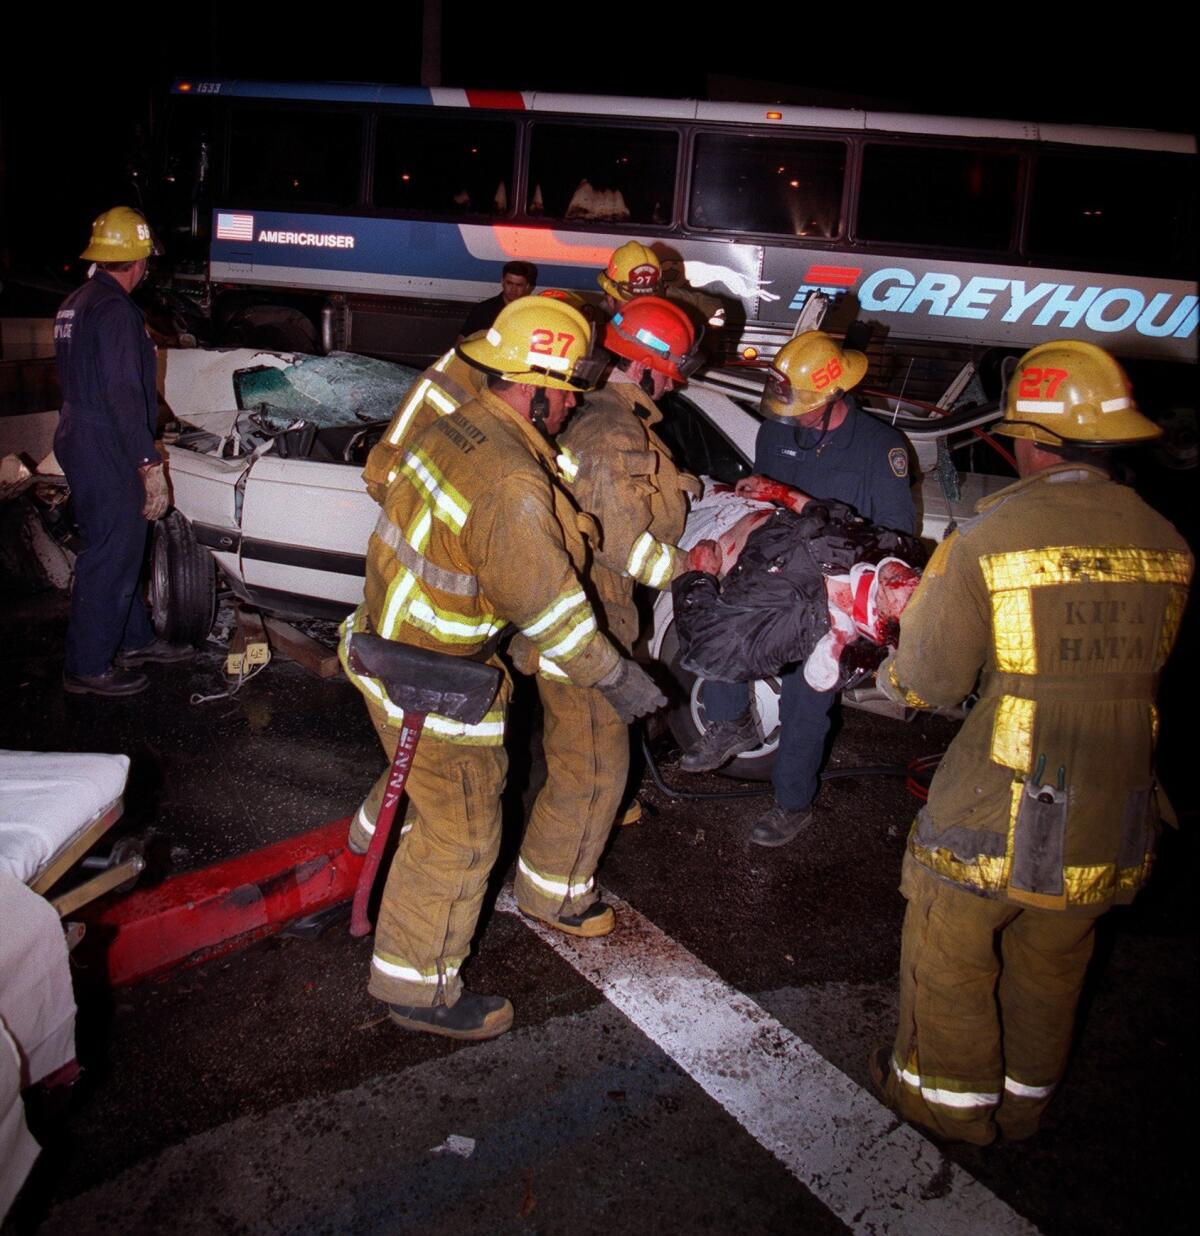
647, 382
826, 417
539, 409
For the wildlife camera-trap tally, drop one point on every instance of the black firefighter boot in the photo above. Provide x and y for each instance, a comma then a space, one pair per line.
471, 1017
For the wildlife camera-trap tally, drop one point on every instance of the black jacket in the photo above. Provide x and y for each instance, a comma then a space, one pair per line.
483, 314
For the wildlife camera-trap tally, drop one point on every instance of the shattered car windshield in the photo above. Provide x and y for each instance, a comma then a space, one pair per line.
309, 395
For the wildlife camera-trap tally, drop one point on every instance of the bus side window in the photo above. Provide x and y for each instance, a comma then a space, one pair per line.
1135, 210
780, 185
444, 166
285, 156
607, 175
936, 195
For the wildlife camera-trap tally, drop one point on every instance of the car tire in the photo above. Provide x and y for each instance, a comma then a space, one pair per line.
183, 593
685, 716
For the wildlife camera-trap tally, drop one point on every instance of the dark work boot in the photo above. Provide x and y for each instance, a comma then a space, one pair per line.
879, 1065
472, 1017
632, 814
720, 743
777, 825
597, 920
114, 682
157, 652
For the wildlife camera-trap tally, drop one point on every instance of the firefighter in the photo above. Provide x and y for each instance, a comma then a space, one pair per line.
442, 389
1065, 597
633, 270
475, 534
604, 449
620, 474
816, 438
105, 443
448, 383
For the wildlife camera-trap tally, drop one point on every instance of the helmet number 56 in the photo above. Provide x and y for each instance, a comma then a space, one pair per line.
822, 377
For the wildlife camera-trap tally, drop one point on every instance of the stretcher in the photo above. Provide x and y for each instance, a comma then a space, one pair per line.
54, 808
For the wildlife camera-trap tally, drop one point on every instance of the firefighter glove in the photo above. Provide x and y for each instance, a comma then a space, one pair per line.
631, 691
158, 496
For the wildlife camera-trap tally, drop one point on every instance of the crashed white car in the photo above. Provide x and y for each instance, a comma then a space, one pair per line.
266, 482
266, 479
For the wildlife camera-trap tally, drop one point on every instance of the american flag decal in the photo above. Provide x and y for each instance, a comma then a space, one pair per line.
837, 276
235, 227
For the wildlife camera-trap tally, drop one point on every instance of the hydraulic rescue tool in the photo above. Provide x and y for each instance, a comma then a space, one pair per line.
419, 682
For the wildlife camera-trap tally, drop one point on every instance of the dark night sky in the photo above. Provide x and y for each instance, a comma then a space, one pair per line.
70, 113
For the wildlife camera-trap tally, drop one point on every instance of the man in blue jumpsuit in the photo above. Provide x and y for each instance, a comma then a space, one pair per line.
815, 438
105, 445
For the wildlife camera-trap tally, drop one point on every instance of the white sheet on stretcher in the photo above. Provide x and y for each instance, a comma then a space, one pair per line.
715, 512
47, 798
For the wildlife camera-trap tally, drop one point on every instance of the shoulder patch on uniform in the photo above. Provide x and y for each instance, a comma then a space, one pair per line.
898, 458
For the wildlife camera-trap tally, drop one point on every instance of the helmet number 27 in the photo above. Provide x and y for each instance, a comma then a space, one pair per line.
1033, 378
542, 342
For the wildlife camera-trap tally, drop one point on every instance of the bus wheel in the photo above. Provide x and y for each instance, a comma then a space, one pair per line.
183, 593
687, 721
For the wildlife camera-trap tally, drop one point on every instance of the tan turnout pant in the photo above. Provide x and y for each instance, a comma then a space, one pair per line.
988, 991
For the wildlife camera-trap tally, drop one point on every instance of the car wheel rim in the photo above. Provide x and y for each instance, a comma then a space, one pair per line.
766, 706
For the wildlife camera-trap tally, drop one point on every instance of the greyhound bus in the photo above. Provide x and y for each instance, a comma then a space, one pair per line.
368, 218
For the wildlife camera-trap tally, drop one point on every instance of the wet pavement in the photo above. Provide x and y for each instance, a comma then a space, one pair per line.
207, 780
262, 1092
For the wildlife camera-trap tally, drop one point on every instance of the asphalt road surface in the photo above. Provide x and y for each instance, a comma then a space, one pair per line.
701, 1070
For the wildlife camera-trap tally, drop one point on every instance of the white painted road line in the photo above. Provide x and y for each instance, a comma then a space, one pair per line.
875, 1173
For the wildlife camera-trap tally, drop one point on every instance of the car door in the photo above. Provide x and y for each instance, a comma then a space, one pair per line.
305, 526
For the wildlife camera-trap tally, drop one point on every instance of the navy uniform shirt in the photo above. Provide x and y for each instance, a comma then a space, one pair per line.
107, 367
863, 463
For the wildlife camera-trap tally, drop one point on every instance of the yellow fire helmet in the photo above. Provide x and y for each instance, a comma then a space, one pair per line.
807, 373
537, 341
632, 270
567, 297
1071, 391
120, 235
